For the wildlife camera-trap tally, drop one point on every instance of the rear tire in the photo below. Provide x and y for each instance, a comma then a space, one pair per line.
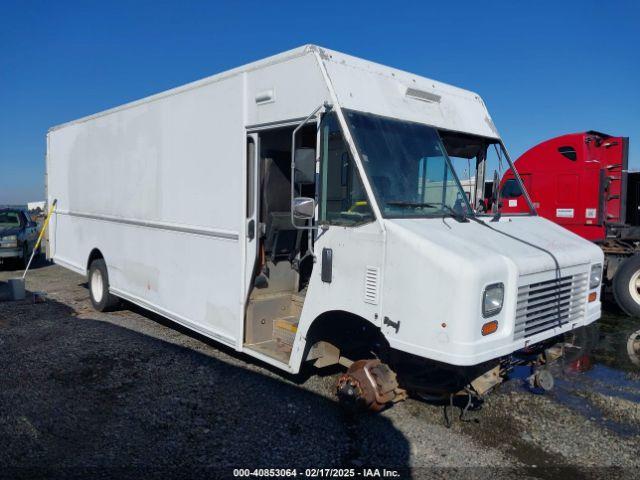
626, 286
98, 281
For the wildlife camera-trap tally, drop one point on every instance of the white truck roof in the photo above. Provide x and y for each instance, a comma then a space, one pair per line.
366, 86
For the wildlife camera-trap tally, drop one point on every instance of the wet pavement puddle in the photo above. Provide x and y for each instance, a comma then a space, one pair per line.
601, 378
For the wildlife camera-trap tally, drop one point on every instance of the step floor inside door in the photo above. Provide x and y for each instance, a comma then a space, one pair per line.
272, 323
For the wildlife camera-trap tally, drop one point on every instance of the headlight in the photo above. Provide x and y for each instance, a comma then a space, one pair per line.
596, 276
10, 241
492, 299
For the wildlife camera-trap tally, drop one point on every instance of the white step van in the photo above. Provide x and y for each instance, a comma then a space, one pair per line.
305, 208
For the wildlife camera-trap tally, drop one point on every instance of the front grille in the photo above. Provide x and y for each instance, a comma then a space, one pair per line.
550, 304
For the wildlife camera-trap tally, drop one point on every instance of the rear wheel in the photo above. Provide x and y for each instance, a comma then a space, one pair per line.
626, 286
98, 282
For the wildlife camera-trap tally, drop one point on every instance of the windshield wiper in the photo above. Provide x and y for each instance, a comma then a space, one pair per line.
459, 216
402, 203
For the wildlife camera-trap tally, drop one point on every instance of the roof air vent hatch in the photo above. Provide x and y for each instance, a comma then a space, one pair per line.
422, 95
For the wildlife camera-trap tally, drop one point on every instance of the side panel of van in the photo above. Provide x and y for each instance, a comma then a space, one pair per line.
157, 189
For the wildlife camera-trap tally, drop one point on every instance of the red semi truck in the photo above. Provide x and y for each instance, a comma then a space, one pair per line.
581, 181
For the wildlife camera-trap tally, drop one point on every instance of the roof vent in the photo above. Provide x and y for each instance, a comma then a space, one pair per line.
267, 96
422, 95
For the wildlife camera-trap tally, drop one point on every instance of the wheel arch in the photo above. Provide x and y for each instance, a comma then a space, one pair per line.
345, 330
95, 254
107, 301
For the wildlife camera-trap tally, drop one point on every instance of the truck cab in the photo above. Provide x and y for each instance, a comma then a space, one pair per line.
460, 287
576, 180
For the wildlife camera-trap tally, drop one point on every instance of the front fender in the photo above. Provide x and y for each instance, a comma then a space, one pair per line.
352, 289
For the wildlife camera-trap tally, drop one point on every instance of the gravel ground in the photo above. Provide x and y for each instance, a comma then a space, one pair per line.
129, 394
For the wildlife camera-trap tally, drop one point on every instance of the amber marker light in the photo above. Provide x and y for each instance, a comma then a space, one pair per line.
489, 327
592, 297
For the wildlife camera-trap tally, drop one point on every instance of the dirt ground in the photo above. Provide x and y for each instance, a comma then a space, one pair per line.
128, 394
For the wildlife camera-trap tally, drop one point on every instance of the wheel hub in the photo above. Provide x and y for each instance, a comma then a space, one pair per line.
633, 348
369, 385
634, 286
96, 285
542, 379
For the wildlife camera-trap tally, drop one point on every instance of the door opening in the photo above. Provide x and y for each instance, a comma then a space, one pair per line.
280, 270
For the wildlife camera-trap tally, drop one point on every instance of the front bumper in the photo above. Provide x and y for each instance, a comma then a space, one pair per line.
10, 252
576, 312
466, 355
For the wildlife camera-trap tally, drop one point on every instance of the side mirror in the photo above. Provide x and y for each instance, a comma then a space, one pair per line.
305, 162
304, 208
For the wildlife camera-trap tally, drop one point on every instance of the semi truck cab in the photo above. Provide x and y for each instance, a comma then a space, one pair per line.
582, 182
577, 180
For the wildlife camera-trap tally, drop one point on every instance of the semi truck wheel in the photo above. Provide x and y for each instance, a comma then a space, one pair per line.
626, 286
98, 281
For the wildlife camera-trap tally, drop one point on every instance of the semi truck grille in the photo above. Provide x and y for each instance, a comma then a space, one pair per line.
550, 304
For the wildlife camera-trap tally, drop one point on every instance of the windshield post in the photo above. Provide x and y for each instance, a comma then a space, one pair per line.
358, 161
519, 179
481, 174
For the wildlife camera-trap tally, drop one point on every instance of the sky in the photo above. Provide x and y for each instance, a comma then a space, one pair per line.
542, 68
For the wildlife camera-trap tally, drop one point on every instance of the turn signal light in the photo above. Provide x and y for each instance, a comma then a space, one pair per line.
489, 327
593, 296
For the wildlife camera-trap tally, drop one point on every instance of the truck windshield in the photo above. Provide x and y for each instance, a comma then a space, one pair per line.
408, 167
9, 219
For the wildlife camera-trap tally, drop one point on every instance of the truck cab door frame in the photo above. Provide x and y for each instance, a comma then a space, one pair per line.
252, 227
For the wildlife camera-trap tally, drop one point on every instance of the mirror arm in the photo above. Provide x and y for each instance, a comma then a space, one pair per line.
326, 106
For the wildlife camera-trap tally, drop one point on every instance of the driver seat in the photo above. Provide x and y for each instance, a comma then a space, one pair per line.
281, 237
